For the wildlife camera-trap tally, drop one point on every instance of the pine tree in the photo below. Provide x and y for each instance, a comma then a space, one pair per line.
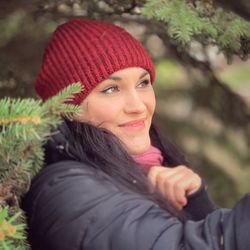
203, 22
24, 126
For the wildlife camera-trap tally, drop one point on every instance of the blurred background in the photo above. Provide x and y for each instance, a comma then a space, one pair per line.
203, 96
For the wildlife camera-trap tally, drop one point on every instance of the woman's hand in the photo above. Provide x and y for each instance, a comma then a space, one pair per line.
175, 183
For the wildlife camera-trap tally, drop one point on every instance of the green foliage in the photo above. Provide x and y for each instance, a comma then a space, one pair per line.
24, 126
201, 21
12, 230
182, 21
67, 96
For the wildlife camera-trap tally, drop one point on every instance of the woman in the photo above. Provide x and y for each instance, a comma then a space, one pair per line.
110, 180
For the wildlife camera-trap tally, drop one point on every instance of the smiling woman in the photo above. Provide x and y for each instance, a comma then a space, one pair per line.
110, 180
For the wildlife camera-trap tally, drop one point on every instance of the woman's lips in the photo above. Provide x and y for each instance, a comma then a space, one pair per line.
134, 125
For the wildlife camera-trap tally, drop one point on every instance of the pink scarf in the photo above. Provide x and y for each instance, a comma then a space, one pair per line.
152, 157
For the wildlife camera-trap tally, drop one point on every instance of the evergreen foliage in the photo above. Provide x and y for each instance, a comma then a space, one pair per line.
188, 21
24, 126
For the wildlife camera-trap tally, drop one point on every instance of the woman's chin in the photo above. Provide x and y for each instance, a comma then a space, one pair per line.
136, 149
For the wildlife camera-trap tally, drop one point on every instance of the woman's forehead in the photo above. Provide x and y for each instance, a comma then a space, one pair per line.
128, 71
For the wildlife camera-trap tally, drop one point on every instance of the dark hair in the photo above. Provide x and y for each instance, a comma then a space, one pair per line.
172, 156
104, 151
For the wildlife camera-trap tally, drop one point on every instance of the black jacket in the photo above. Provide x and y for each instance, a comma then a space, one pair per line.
71, 206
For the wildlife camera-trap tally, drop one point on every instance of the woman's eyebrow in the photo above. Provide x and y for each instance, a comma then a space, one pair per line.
117, 78
143, 74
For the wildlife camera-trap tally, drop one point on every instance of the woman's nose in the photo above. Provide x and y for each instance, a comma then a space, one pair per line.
134, 103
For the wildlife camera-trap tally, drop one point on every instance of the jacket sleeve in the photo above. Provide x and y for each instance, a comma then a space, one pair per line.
71, 206
199, 204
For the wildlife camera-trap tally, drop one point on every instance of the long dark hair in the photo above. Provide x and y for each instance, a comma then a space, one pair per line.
104, 151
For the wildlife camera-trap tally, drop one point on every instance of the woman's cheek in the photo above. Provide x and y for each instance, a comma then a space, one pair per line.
105, 117
152, 102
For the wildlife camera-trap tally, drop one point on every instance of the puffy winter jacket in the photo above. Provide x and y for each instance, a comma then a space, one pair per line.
71, 206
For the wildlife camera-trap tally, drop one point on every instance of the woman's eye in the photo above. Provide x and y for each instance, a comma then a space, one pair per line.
144, 83
110, 90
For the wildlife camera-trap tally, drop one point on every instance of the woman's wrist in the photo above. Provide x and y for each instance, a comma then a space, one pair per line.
199, 203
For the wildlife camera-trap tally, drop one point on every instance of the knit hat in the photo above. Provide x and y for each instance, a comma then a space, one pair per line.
88, 51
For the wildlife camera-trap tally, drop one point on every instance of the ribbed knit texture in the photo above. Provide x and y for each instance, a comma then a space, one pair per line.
152, 157
88, 51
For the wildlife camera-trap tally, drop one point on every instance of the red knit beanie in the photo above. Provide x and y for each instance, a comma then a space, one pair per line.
88, 51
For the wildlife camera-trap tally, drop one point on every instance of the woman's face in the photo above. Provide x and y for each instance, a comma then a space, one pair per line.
124, 104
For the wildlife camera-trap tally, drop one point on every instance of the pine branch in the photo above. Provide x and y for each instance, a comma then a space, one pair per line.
200, 21
64, 96
24, 126
12, 229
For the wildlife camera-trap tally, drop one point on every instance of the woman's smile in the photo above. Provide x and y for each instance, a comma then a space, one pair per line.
136, 125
